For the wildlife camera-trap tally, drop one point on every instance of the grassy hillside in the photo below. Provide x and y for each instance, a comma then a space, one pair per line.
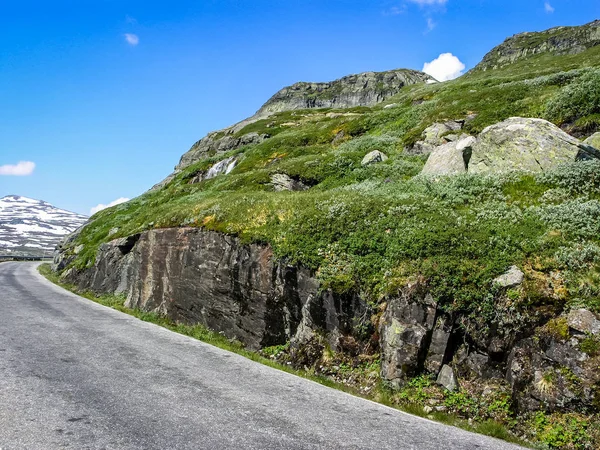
371, 228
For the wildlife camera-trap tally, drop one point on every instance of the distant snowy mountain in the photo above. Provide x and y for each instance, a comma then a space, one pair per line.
33, 227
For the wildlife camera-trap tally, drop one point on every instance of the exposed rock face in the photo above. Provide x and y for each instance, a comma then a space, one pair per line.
557, 41
554, 371
512, 278
365, 89
405, 334
196, 276
374, 157
525, 144
447, 378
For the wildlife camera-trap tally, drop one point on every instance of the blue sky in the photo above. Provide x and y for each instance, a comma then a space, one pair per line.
105, 96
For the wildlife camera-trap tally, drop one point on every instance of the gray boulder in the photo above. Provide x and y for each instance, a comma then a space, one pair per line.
450, 158
447, 378
374, 157
436, 135
283, 182
512, 278
525, 144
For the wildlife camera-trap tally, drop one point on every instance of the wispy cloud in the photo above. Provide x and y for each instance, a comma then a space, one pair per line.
22, 168
429, 2
102, 206
395, 10
132, 39
131, 20
548, 8
430, 24
445, 67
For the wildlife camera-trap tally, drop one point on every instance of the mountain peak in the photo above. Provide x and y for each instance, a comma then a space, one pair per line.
30, 227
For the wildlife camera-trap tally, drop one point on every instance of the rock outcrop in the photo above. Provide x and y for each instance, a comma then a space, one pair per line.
195, 276
283, 182
556, 41
365, 89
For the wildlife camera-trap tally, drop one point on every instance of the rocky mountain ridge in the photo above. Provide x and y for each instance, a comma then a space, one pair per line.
31, 227
556, 41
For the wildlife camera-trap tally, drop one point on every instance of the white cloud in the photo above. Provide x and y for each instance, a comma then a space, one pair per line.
548, 7
22, 168
102, 206
445, 67
132, 39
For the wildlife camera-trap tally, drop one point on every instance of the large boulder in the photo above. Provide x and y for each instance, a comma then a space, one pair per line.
450, 158
525, 144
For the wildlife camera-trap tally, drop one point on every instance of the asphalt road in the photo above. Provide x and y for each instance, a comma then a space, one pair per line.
74, 374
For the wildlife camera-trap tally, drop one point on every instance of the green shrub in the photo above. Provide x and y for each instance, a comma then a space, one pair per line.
578, 99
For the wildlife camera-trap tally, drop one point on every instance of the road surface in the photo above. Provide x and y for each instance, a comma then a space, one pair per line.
74, 374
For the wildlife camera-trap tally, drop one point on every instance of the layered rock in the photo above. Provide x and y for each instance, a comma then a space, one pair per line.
556, 41
365, 89
195, 276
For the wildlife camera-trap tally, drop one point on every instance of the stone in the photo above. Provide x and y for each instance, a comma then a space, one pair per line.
447, 378
404, 333
583, 321
374, 157
391, 105
512, 278
433, 134
593, 140
525, 144
77, 250
283, 182
450, 158
438, 345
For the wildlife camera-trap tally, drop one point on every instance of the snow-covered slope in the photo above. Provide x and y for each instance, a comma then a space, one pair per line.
33, 227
